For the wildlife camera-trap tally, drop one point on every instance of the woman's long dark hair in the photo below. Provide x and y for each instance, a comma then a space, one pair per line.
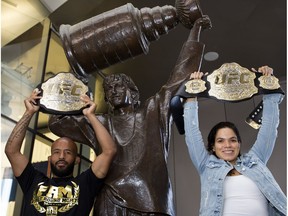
213, 132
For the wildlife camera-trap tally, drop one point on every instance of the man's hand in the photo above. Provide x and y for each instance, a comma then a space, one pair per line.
30, 102
90, 105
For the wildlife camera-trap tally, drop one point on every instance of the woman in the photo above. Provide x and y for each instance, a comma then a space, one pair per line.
234, 183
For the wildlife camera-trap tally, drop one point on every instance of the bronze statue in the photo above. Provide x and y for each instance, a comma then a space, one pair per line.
138, 182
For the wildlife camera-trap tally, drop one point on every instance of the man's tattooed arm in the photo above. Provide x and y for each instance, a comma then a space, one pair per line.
13, 146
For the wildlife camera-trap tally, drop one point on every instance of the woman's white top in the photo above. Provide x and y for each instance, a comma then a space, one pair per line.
243, 197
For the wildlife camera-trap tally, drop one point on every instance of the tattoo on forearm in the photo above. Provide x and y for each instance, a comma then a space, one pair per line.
20, 128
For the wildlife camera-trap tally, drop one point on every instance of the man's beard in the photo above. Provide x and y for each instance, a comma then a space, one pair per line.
62, 173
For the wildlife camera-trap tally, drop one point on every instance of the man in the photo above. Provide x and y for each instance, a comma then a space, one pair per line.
138, 181
62, 194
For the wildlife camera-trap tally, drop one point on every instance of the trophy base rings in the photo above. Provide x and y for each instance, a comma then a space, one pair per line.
61, 94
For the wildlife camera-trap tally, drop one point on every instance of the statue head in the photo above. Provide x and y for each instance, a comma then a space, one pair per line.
120, 91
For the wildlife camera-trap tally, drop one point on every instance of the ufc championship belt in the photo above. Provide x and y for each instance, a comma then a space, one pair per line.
229, 83
61, 94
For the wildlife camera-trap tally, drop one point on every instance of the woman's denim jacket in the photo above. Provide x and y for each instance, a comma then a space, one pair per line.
213, 171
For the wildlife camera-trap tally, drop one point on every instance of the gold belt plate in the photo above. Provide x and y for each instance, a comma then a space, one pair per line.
231, 82
269, 82
195, 86
62, 93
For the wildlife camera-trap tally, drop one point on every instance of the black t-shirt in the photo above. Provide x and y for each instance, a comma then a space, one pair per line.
58, 196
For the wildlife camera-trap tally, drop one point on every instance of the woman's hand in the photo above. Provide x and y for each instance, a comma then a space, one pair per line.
265, 70
197, 75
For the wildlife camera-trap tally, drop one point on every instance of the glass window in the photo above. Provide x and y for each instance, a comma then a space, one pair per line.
20, 75
84, 165
56, 58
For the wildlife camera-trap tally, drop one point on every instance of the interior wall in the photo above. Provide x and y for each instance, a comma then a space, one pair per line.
184, 177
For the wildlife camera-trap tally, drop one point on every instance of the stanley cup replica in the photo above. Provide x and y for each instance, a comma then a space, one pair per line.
122, 33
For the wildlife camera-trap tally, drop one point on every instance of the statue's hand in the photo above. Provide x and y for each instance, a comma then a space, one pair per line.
204, 22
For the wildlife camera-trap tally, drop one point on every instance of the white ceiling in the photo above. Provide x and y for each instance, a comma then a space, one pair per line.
52, 5
19, 16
